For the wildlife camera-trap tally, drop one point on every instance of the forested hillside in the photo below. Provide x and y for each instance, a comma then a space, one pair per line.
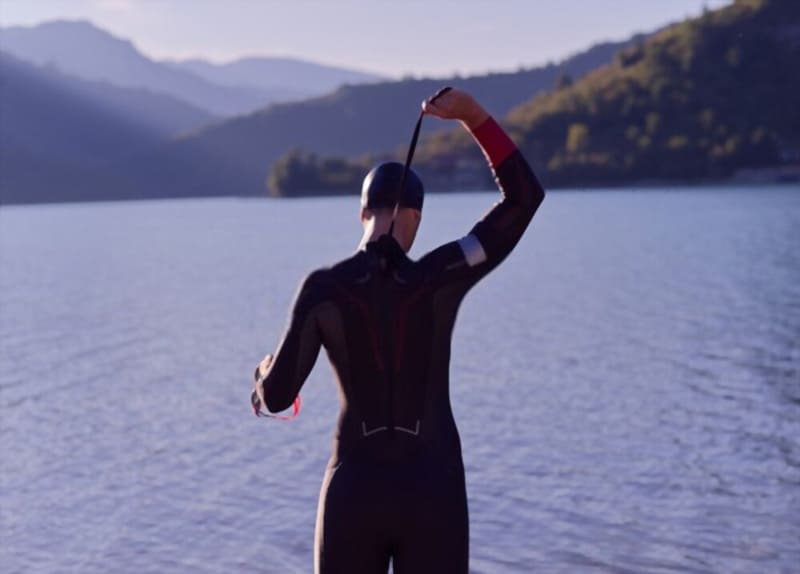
698, 100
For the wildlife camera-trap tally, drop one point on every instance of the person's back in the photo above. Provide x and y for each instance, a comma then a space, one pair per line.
394, 488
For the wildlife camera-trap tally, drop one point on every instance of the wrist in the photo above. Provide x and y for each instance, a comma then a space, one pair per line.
494, 141
475, 118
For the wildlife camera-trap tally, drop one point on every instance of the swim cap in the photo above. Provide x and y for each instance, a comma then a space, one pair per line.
381, 187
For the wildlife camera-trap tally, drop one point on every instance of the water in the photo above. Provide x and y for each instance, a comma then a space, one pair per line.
627, 384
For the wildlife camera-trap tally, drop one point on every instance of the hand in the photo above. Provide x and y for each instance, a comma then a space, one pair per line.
257, 396
263, 366
456, 105
255, 402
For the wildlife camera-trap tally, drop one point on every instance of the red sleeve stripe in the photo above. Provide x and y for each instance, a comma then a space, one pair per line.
496, 144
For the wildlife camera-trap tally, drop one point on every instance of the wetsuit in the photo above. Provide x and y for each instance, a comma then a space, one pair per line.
394, 487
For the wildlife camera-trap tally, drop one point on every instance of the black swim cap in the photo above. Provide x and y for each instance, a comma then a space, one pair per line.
381, 188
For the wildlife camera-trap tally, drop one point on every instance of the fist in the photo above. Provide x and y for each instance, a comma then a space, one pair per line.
456, 105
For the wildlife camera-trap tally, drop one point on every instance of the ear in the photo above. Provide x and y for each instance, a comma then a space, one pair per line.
363, 214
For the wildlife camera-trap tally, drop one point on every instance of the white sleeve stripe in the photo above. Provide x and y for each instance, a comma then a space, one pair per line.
473, 250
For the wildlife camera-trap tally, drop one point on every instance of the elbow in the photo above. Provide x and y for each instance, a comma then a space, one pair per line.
539, 196
535, 196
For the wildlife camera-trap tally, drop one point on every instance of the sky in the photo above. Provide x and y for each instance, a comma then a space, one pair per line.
395, 38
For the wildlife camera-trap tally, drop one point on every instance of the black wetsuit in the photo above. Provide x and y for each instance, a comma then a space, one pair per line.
394, 487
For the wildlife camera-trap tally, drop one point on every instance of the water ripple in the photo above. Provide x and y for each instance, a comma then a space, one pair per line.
628, 396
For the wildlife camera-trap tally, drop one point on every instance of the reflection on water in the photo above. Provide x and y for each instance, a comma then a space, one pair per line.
626, 385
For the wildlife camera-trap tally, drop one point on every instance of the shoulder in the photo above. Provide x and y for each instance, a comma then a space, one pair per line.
314, 279
310, 292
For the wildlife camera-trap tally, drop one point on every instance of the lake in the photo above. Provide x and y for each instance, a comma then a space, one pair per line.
626, 384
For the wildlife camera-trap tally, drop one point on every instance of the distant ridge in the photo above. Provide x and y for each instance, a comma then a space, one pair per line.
235, 156
81, 49
302, 78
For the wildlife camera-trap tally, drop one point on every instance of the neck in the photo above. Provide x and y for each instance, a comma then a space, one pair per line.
376, 227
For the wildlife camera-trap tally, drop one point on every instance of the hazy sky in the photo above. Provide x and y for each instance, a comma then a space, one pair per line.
393, 37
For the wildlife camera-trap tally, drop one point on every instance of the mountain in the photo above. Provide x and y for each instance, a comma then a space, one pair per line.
234, 156
699, 100
58, 137
161, 115
297, 78
81, 49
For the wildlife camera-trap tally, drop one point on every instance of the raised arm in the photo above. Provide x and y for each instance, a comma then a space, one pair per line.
497, 233
280, 378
